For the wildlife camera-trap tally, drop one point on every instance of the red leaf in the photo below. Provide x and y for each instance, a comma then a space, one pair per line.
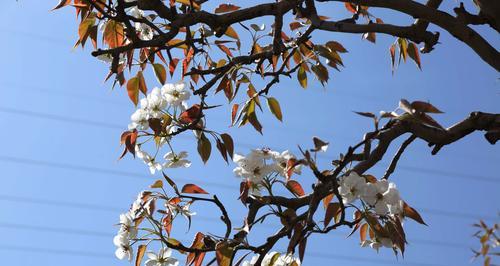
331, 211
408, 211
295, 188
226, 8
172, 65
193, 189
191, 114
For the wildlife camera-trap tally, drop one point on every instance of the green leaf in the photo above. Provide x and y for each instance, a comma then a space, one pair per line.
160, 73
302, 76
414, 54
275, 108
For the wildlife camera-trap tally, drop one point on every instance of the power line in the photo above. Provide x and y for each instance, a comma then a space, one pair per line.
99, 170
115, 126
92, 254
100, 207
75, 231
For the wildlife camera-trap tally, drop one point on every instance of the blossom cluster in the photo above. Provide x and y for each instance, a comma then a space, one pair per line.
279, 260
260, 163
128, 230
128, 225
381, 195
163, 104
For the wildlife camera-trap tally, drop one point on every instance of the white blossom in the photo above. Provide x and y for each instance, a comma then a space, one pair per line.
176, 94
139, 120
155, 103
377, 243
144, 30
176, 160
163, 258
351, 187
281, 260
127, 225
383, 196
149, 160
251, 167
281, 161
123, 248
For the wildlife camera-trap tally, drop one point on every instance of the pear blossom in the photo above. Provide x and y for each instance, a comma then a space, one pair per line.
155, 103
281, 260
251, 167
123, 248
351, 187
377, 243
176, 160
163, 258
108, 58
184, 211
145, 31
148, 160
382, 196
127, 225
139, 120
176, 94
281, 162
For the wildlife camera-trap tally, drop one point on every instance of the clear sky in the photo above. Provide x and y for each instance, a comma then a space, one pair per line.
63, 188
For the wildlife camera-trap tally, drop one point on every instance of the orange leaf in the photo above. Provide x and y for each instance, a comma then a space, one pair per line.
193, 189
113, 34
133, 90
295, 188
226, 8
408, 211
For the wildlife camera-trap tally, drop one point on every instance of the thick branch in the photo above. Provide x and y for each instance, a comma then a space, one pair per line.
442, 19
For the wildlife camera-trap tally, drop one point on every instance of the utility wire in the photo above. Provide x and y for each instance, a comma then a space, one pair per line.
100, 207
76, 231
115, 126
91, 254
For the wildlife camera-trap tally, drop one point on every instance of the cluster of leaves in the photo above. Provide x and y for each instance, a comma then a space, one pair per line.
489, 240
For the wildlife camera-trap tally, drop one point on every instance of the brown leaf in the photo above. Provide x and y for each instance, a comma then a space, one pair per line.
193, 189
191, 114
336, 46
225, 50
228, 142
408, 211
223, 8
331, 211
319, 145
172, 65
62, 3
295, 188
141, 250
223, 253
327, 200
234, 112
113, 34
362, 232
133, 90
204, 148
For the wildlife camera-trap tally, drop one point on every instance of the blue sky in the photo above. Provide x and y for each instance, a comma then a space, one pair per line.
63, 188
